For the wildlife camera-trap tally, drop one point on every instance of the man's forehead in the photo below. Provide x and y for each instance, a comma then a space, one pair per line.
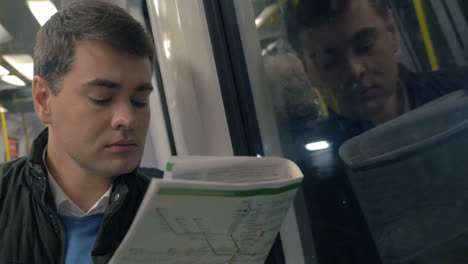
341, 9
356, 4
341, 29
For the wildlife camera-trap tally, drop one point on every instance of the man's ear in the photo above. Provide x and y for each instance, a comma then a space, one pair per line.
393, 29
42, 94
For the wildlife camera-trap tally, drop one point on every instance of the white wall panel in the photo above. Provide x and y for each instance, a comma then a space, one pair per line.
189, 76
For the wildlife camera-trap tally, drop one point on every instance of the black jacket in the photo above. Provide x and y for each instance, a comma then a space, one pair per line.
30, 230
340, 231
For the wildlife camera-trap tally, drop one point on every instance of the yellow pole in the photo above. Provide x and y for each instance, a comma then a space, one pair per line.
418, 6
5, 134
323, 105
324, 108
335, 103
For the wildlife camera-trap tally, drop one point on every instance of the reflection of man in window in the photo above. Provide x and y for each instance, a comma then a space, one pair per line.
348, 48
348, 51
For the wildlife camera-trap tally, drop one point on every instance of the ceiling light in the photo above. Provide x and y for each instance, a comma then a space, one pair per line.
22, 63
266, 14
4, 35
319, 145
3, 71
42, 10
12, 79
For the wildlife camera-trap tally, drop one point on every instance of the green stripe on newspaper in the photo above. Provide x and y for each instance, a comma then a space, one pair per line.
226, 193
169, 166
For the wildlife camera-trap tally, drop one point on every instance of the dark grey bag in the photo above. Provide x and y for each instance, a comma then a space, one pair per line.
410, 176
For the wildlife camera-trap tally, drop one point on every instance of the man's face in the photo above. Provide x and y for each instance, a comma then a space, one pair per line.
352, 59
100, 117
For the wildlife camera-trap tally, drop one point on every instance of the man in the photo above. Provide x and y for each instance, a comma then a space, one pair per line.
348, 50
73, 199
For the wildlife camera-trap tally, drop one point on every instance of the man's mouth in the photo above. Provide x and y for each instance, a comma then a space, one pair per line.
123, 145
359, 91
368, 92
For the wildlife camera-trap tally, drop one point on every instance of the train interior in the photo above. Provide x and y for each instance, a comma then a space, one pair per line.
228, 82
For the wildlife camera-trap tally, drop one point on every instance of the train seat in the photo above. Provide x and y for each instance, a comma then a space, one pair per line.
410, 177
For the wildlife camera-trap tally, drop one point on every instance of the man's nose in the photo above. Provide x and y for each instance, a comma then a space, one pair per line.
124, 117
353, 72
355, 67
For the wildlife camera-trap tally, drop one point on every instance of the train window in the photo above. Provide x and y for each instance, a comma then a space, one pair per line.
19, 22
19, 124
369, 99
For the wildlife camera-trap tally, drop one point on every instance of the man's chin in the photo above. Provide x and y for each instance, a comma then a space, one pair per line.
119, 169
371, 111
128, 169
364, 112
371, 106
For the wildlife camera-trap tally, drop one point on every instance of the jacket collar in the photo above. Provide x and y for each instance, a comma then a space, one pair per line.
38, 176
39, 182
37, 149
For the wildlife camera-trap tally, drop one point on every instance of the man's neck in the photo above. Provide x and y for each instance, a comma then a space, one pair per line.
82, 187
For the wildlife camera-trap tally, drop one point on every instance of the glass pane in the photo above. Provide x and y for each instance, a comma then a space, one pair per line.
17, 33
350, 83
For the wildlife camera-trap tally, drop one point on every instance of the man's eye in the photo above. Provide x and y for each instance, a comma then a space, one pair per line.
139, 104
100, 101
364, 48
326, 61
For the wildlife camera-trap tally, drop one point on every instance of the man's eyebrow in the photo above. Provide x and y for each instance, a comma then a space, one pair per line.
321, 52
363, 34
103, 83
145, 87
115, 85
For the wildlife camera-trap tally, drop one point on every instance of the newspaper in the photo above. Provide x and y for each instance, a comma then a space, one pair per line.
211, 210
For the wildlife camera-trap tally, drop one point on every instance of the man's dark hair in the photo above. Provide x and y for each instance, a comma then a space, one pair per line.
85, 20
303, 14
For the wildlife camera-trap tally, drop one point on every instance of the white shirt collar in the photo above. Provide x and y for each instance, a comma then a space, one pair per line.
65, 206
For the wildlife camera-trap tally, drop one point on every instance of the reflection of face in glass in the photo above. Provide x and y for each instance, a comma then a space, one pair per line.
352, 58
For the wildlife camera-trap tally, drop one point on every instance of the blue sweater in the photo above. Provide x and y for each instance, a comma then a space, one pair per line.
81, 236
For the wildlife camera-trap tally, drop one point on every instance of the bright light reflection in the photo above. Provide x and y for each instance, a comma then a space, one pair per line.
22, 63
4, 35
178, 15
156, 4
319, 145
42, 10
3, 109
12, 79
264, 15
4, 71
167, 48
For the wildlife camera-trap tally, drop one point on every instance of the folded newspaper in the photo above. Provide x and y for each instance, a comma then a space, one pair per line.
211, 210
